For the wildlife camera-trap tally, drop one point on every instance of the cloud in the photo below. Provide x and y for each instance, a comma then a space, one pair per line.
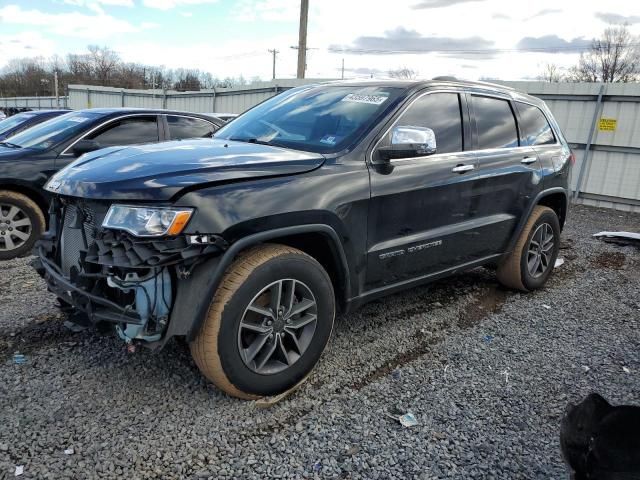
402, 40
25, 44
617, 18
500, 16
553, 44
440, 3
365, 71
546, 11
169, 4
72, 24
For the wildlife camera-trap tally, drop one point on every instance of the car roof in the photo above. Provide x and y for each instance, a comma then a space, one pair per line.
157, 111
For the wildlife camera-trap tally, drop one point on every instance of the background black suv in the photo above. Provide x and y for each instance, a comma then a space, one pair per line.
28, 159
321, 198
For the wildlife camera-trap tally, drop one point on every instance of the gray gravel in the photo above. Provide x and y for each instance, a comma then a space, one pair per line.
487, 373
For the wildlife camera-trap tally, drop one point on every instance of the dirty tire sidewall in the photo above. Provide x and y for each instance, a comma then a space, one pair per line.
216, 347
548, 216
33, 211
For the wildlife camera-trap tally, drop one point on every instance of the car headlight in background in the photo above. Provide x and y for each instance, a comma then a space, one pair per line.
147, 221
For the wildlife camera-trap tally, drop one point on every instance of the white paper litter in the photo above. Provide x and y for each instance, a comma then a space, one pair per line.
626, 370
548, 307
69, 451
559, 262
19, 470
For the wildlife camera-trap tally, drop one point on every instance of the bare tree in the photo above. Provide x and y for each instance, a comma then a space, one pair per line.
552, 73
614, 57
104, 62
100, 66
404, 73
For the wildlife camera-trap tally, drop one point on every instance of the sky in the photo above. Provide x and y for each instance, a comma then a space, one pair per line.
472, 39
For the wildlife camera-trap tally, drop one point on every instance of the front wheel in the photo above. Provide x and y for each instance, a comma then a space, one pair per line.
268, 323
531, 262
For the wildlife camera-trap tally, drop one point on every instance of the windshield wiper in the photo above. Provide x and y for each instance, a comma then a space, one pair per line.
257, 141
10, 145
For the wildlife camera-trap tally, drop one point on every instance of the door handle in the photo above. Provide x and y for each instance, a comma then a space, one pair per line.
462, 168
528, 160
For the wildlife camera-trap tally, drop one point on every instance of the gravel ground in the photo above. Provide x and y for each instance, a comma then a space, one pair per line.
487, 373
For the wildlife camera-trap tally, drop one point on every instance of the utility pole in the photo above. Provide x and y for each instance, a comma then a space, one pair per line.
343, 69
302, 39
55, 85
274, 52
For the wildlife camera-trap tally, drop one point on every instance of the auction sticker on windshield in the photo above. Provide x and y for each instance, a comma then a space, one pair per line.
360, 98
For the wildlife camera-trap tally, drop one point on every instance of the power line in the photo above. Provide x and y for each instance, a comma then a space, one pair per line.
483, 51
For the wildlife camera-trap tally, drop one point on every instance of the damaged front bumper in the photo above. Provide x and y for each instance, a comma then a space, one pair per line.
144, 288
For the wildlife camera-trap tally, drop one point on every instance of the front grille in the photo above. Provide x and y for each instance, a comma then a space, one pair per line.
77, 236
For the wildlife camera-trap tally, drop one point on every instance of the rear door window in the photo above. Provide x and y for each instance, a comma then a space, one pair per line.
534, 126
495, 123
441, 113
128, 131
189, 127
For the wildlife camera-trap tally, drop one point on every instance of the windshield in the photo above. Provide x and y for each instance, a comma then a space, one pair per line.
320, 119
49, 133
14, 121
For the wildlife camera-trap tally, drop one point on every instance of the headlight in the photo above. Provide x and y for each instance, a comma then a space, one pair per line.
147, 221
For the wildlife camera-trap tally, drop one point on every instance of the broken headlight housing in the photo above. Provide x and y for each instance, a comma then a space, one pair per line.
144, 221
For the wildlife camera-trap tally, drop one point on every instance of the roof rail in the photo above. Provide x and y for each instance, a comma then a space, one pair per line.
448, 78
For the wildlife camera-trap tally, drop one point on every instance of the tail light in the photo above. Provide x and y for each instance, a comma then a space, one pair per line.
572, 158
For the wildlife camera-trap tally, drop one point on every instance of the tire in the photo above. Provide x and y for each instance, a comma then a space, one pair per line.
21, 224
515, 270
222, 350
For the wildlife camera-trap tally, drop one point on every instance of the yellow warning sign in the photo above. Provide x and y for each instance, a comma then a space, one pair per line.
607, 124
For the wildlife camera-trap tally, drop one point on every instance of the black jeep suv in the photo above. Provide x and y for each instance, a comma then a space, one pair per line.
317, 200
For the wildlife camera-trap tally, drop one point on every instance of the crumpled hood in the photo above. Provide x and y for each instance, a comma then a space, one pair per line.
158, 172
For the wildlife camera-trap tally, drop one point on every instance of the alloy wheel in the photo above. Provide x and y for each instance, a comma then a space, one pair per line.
277, 327
15, 227
540, 250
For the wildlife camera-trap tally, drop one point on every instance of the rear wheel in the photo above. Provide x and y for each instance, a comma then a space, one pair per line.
268, 323
21, 224
531, 262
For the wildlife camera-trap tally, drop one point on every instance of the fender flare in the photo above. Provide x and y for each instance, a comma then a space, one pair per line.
193, 300
525, 218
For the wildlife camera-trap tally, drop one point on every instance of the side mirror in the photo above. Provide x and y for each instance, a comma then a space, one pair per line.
408, 142
85, 146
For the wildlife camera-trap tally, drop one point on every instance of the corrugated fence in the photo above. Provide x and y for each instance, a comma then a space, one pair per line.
33, 103
221, 100
602, 123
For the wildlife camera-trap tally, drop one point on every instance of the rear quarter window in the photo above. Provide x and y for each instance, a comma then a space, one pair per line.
189, 127
534, 126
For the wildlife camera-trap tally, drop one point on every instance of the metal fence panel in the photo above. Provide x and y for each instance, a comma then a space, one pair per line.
33, 103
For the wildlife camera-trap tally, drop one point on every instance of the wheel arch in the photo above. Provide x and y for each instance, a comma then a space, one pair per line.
33, 193
558, 202
554, 198
317, 240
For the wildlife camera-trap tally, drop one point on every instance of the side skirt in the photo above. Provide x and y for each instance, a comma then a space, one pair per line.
370, 295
